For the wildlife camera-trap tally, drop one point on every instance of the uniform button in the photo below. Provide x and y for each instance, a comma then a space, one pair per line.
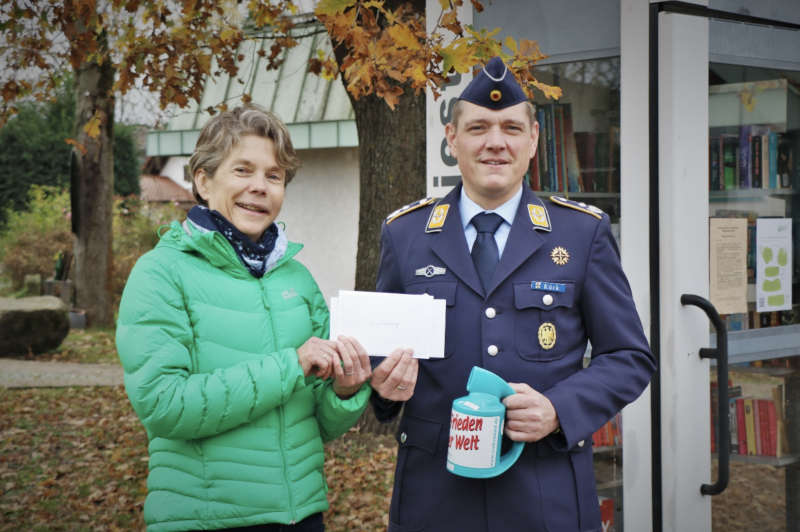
490, 313
403, 437
492, 350
547, 299
581, 443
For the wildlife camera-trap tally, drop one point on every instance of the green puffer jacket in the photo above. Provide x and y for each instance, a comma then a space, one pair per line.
209, 352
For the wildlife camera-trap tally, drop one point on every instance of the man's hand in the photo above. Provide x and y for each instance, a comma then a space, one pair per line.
530, 416
396, 377
351, 369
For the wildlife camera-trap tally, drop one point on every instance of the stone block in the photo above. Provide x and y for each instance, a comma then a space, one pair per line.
32, 324
32, 284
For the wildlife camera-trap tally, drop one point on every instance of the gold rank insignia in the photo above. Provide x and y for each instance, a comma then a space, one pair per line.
539, 217
547, 335
437, 218
405, 209
578, 206
559, 255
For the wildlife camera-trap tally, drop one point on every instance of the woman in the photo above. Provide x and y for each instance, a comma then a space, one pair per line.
221, 334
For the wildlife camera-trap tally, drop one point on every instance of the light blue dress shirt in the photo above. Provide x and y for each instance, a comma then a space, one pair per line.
507, 211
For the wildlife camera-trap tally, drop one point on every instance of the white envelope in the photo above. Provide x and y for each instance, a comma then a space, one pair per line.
382, 322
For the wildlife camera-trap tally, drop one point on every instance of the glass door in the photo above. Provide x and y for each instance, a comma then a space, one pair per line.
727, 231
754, 270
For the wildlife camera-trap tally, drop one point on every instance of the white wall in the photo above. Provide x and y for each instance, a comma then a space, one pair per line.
321, 211
173, 169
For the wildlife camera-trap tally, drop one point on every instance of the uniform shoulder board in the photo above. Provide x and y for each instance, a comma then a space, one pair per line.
578, 206
405, 209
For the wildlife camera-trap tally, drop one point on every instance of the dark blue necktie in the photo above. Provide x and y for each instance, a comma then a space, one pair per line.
484, 251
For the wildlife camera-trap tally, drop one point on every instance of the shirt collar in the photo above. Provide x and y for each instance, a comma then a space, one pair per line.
469, 208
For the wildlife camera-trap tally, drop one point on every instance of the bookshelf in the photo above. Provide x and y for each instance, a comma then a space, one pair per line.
754, 147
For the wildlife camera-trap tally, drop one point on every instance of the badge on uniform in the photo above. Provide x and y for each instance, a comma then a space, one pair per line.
559, 255
539, 217
437, 218
430, 270
547, 335
548, 286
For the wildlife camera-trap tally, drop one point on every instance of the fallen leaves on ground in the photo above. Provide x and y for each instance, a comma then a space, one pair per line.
85, 346
76, 459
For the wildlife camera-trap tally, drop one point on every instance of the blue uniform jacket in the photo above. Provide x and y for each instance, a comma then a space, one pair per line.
551, 487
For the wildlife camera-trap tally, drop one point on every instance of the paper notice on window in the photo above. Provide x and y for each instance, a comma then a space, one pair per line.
728, 264
383, 322
773, 264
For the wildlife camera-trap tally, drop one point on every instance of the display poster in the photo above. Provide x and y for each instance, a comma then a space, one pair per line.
442, 168
773, 264
728, 264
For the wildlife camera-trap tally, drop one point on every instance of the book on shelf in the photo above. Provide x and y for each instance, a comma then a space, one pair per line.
745, 180
610, 434
571, 151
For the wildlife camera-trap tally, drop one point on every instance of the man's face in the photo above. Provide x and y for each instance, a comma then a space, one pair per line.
494, 149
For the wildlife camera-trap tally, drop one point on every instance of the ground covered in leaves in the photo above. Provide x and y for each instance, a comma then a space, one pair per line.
76, 459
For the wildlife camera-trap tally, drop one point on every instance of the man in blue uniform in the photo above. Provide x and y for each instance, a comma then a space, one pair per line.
527, 283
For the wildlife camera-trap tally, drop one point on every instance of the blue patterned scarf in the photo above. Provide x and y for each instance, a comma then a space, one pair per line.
252, 254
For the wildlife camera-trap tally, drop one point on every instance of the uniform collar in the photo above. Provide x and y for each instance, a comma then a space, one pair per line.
469, 208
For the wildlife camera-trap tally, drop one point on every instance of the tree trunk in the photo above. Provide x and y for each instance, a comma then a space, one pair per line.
92, 185
391, 157
392, 166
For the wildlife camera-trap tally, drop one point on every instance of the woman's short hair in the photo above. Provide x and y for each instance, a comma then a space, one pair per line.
224, 131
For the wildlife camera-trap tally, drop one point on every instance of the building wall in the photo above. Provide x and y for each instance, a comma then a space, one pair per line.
321, 211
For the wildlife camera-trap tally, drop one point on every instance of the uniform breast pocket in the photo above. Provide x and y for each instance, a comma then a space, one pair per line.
441, 290
547, 324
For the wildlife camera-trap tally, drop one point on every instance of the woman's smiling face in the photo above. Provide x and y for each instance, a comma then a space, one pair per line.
248, 187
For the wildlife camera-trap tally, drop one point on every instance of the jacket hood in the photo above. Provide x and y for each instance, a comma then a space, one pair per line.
216, 249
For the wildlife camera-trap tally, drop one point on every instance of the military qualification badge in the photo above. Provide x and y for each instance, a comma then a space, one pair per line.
547, 335
559, 255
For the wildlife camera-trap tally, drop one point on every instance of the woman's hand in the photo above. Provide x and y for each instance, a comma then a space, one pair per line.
317, 356
352, 369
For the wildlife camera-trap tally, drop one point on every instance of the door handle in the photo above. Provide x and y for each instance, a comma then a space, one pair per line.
720, 353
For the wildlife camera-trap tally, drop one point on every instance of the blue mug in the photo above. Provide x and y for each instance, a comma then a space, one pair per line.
476, 428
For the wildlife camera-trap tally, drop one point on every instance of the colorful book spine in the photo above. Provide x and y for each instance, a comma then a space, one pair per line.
755, 162
744, 157
773, 159
714, 160
730, 148
750, 428
573, 163
741, 430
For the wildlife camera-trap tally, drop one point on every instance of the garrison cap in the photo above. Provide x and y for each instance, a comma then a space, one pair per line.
494, 87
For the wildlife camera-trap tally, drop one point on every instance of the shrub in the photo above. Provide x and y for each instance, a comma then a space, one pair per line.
33, 239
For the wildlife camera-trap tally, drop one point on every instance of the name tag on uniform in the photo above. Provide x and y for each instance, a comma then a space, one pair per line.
547, 286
